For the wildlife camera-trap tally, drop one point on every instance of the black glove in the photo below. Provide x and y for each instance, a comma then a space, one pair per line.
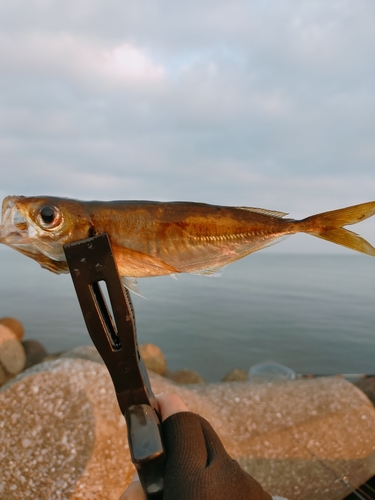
199, 468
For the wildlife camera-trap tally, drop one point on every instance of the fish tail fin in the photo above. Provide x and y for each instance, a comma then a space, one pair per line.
329, 226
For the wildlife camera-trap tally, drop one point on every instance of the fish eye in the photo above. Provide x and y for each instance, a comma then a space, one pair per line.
49, 216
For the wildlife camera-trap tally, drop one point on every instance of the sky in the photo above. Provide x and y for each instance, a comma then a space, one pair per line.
242, 102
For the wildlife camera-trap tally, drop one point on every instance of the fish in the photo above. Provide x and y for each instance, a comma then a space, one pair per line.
151, 238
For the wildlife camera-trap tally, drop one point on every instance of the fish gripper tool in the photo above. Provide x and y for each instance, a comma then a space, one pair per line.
93, 268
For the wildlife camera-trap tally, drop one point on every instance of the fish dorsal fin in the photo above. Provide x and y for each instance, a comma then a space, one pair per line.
264, 211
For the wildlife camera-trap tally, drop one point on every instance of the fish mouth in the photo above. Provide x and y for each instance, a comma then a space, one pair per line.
14, 226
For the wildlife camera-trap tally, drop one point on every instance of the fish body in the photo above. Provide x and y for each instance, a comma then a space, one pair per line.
159, 238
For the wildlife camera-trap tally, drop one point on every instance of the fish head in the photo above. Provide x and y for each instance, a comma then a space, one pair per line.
39, 227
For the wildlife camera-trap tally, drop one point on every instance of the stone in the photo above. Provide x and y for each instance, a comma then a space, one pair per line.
4, 376
153, 358
236, 375
34, 351
15, 325
52, 357
88, 352
12, 354
65, 433
183, 377
367, 385
62, 435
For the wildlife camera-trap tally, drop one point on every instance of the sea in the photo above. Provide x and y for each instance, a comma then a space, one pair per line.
312, 313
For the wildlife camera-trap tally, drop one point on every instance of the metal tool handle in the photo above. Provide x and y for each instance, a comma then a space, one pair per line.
146, 447
91, 262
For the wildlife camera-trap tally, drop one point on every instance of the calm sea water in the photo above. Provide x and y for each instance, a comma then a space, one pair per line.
314, 314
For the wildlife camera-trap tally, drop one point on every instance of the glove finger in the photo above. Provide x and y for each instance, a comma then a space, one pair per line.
184, 442
214, 446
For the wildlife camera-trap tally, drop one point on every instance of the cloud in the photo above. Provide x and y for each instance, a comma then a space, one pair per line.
261, 103
78, 59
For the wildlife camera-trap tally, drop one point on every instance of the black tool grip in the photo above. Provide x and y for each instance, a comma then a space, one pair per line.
146, 447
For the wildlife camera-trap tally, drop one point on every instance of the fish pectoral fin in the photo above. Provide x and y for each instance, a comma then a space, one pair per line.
138, 264
55, 266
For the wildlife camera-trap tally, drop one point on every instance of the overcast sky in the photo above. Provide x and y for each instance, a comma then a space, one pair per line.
241, 102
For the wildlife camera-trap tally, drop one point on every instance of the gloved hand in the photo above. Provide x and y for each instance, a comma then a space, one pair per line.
198, 467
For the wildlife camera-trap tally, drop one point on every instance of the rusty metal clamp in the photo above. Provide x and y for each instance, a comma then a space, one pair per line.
92, 267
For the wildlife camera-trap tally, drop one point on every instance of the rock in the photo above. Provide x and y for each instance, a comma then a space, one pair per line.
12, 354
34, 351
236, 375
88, 352
52, 357
153, 358
62, 435
65, 432
4, 376
185, 377
367, 385
15, 325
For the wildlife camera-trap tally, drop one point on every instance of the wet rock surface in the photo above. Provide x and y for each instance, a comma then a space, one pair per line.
62, 435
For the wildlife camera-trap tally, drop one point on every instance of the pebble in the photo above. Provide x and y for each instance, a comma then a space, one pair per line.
34, 351
15, 325
185, 377
153, 358
12, 354
367, 385
236, 375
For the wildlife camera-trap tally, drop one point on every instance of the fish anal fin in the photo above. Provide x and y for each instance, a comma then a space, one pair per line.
211, 272
132, 285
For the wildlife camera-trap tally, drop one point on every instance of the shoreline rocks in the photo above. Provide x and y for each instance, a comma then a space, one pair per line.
34, 351
62, 427
60, 423
15, 325
12, 354
153, 358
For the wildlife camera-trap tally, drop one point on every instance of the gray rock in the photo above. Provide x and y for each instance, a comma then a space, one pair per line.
237, 375
367, 385
34, 351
